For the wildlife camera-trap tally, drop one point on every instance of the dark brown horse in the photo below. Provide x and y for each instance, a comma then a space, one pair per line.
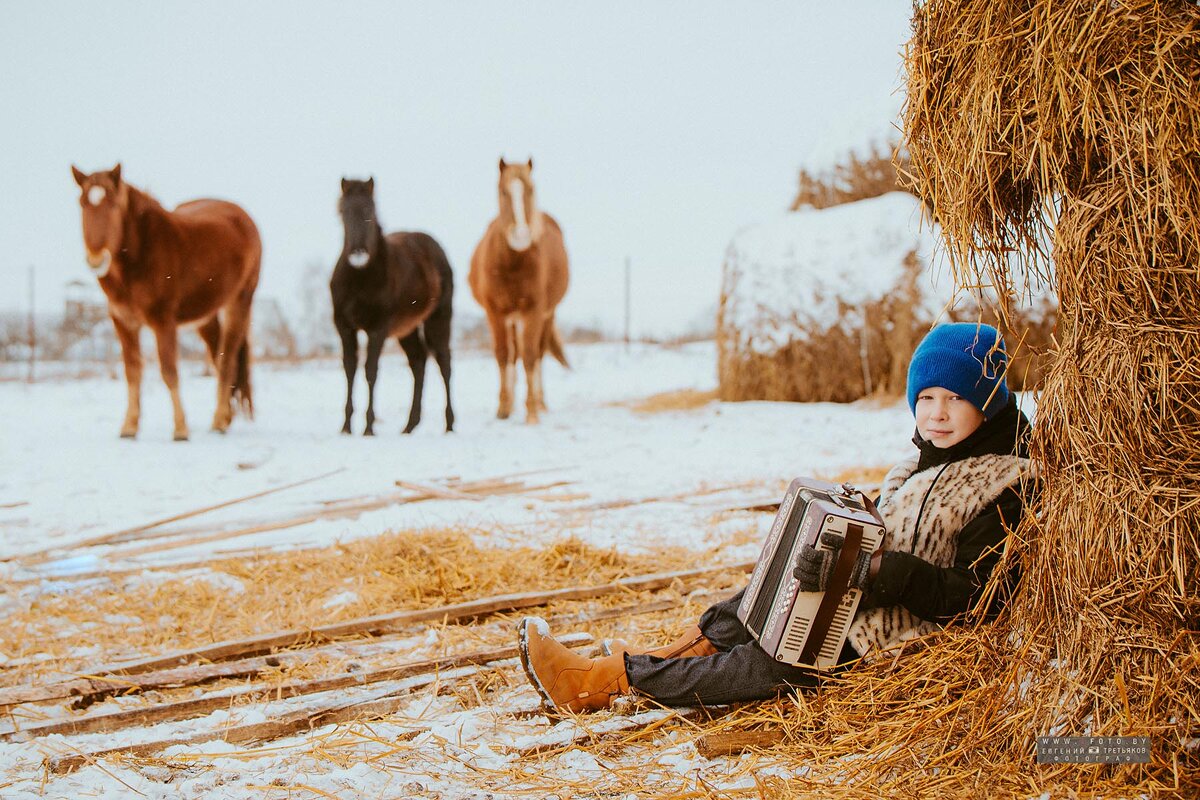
519, 275
196, 265
395, 285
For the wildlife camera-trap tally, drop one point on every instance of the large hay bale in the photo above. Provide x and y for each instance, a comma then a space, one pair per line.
1075, 124
827, 305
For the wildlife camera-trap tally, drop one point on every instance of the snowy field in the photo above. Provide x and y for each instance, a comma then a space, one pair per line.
66, 478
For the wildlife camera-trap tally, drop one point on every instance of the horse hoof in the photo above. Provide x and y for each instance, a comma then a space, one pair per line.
128, 434
183, 437
368, 432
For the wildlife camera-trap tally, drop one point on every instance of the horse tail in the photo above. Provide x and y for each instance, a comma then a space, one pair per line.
243, 399
552, 343
446, 275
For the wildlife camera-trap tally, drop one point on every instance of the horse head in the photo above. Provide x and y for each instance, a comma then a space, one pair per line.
362, 231
104, 199
519, 214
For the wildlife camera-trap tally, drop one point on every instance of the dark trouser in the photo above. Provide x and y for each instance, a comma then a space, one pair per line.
740, 672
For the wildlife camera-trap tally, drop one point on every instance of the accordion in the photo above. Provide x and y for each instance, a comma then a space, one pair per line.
809, 628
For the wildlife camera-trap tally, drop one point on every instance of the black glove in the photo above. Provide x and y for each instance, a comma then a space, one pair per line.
814, 567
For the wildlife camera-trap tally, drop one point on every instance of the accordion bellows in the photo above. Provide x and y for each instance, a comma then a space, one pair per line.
809, 628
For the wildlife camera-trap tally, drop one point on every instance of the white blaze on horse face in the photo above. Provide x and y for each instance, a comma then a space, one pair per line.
519, 237
358, 258
96, 195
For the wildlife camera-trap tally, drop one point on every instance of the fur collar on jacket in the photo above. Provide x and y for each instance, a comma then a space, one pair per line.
926, 501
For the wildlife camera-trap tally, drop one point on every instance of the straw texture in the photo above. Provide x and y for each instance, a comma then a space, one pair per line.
1061, 141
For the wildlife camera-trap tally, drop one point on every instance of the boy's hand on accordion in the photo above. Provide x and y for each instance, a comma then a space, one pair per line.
814, 566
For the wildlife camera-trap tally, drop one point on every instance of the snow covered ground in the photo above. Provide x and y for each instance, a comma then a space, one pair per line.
62, 460
65, 477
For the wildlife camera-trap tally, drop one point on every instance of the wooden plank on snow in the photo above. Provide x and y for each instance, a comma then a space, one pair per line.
123, 535
330, 711
88, 689
199, 706
730, 743
386, 623
601, 729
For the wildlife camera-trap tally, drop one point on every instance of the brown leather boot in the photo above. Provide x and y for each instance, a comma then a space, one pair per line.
563, 678
692, 643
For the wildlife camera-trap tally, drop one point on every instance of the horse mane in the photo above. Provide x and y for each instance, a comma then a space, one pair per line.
139, 205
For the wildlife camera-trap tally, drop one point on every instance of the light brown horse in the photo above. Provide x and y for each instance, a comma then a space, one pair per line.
519, 275
197, 265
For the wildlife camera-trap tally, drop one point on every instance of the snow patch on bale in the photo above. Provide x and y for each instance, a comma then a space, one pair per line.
827, 305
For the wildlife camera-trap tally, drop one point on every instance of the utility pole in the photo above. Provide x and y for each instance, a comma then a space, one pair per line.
32, 328
627, 281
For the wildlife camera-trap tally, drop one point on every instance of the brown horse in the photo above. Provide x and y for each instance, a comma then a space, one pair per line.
519, 275
197, 265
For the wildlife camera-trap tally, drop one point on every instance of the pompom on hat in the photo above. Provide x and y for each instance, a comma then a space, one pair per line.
966, 358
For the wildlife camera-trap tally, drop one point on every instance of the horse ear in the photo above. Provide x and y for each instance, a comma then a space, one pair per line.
502, 164
79, 176
371, 185
116, 174
531, 163
343, 185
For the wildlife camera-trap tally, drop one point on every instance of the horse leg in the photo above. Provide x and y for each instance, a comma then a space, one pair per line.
505, 360
414, 347
375, 340
531, 357
437, 338
210, 332
234, 329
540, 387
131, 354
165, 335
541, 393
349, 337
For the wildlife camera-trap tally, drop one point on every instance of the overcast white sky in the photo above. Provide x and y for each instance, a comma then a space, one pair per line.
658, 129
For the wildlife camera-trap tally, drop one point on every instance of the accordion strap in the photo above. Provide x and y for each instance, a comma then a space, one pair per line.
839, 581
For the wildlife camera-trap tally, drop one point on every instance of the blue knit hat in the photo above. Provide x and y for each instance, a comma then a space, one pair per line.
967, 358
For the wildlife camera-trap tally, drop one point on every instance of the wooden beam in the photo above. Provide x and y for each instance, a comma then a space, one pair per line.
335, 509
88, 690
666, 498
730, 743
353, 509
122, 535
439, 491
568, 737
385, 623
331, 711
199, 706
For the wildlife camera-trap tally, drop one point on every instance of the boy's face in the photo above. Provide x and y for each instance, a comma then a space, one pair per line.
944, 418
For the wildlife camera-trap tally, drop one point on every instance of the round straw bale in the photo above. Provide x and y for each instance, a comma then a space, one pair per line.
827, 305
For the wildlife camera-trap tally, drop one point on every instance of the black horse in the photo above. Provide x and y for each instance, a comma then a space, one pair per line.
395, 285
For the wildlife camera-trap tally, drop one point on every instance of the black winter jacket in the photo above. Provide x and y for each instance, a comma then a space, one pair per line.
939, 594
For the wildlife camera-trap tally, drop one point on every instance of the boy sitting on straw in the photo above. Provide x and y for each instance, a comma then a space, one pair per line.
944, 509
